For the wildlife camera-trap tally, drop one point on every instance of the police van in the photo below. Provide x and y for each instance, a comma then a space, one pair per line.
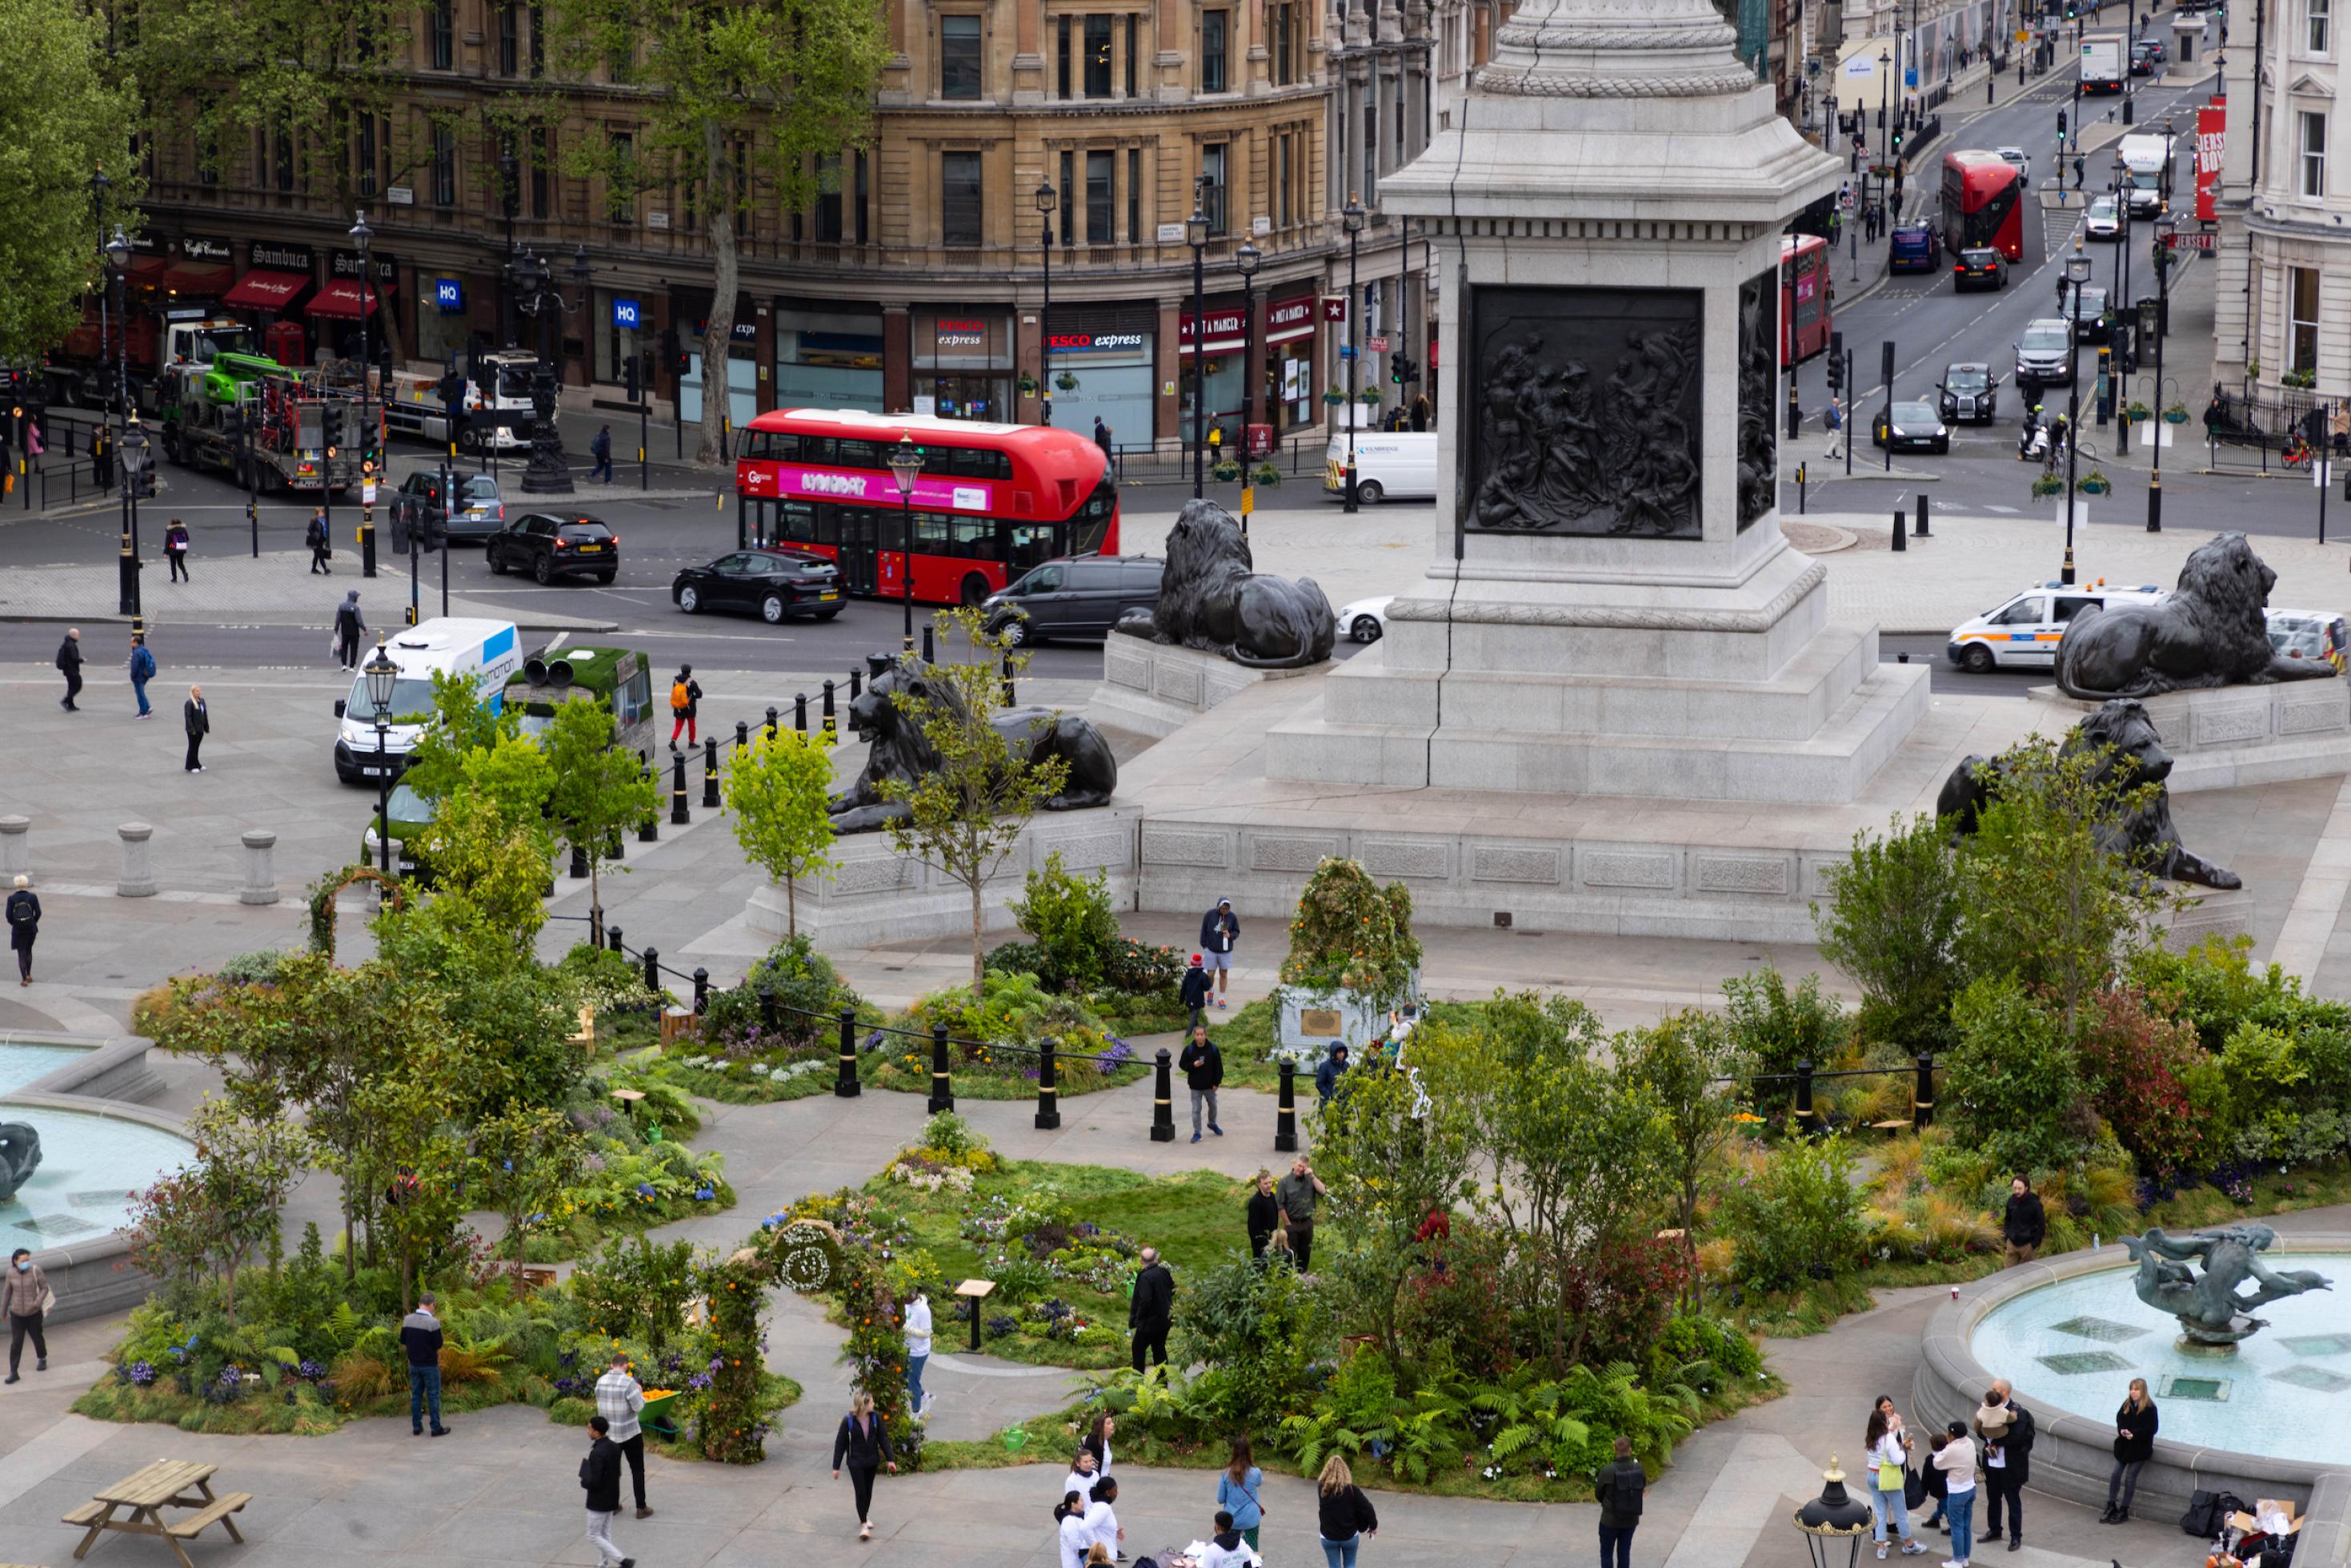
487, 651
2024, 633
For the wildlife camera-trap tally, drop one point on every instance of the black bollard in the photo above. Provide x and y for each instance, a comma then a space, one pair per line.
743, 731
771, 722
1922, 1098
928, 645
1162, 1104
799, 714
1901, 533
1285, 1115
846, 1087
579, 862
649, 830
1922, 533
1804, 1091
1008, 698
1049, 1104
856, 684
771, 1016
652, 971
828, 713
613, 939
710, 774
677, 812
942, 1084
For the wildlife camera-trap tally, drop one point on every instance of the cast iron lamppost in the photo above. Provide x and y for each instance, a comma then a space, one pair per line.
1046, 197
2165, 223
1351, 219
381, 675
549, 473
2077, 273
905, 462
1885, 130
364, 437
1833, 1517
1196, 234
118, 262
1245, 261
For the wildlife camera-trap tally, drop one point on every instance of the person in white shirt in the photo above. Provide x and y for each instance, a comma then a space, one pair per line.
1083, 1475
1955, 1456
1076, 1534
1226, 1547
918, 1351
1102, 1518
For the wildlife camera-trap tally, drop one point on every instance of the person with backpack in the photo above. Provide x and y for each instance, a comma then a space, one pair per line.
685, 705
24, 910
350, 627
1618, 1486
321, 547
142, 671
864, 1441
1194, 991
175, 549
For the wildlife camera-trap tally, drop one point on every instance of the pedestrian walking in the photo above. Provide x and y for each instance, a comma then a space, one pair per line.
2135, 1427
1954, 1462
600, 449
599, 1477
322, 548
420, 1336
1344, 1515
1298, 1192
1226, 1547
619, 1399
101, 459
685, 705
2006, 1428
1194, 991
1073, 1533
1237, 1490
24, 912
1220, 929
1618, 1487
1102, 1521
1327, 1076
69, 665
1150, 1313
2024, 1223
1203, 1073
918, 1352
1887, 1450
1101, 438
29, 1301
175, 549
196, 718
1096, 1442
1084, 1470
864, 1443
142, 671
349, 628
1420, 417
1263, 1214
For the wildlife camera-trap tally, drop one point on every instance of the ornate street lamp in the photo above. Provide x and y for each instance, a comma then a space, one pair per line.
1245, 261
381, 676
538, 296
118, 262
1046, 199
1351, 219
2077, 274
905, 462
1833, 1518
1196, 234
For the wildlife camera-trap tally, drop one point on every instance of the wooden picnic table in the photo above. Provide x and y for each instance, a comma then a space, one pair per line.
166, 1483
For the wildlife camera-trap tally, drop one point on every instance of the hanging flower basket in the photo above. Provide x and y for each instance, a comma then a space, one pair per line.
1266, 474
1224, 472
1334, 397
1066, 381
2176, 414
2095, 483
1369, 397
2046, 485
1027, 385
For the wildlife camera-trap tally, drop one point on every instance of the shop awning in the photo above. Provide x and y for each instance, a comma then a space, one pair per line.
1286, 321
344, 298
202, 280
1226, 330
146, 272
267, 290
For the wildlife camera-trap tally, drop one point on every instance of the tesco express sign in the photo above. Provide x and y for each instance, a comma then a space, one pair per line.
1094, 342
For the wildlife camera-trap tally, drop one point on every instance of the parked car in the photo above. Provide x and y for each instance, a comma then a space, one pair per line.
2044, 355
550, 546
1912, 248
2146, 56
480, 510
1979, 267
1968, 394
2020, 160
776, 583
1915, 428
1073, 596
411, 817
2104, 221
1365, 621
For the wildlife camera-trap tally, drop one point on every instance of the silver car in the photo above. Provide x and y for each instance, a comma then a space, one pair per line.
2017, 158
2044, 355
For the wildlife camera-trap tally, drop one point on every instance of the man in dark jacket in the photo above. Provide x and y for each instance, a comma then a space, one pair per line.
1102, 436
322, 547
1204, 1069
420, 1336
1152, 1309
2008, 1461
24, 915
196, 718
350, 627
600, 449
1617, 1487
1220, 929
2024, 1224
69, 665
600, 1477
1327, 1076
1194, 990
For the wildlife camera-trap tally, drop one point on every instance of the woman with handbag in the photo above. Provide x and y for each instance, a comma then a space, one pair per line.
1237, 1492
2135, 1426
1888, 1451
28, 1300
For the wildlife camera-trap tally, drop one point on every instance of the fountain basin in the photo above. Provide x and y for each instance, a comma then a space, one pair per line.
2081, 1304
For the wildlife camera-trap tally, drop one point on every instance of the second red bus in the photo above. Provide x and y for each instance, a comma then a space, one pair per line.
1982, 204
1803, 298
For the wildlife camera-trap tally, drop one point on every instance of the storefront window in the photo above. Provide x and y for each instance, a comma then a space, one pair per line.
963, 364
828, 356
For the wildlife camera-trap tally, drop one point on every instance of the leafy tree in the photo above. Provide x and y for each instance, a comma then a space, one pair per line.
59, 120
777, 788
2015, 1076
410, 1152
1892, 922
1073, 920
601, 790
725, 98
1777, 1029
1260, 1330
524, 1158
1689, 1064
490, 849
459, 727
214, 1213
968, 813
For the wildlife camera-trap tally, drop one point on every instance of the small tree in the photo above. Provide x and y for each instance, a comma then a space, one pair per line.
1073, 920
524, 1158
968, 813
214, 1213
778, 787
489, 847
1689, 1064
599, 791
1892, 920
460, 726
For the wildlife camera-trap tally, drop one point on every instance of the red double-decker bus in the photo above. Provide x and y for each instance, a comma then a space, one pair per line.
990, 501
1803, 298
1982, 204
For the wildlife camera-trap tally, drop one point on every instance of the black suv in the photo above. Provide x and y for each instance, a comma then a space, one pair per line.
549, 546
778, 583
1074, 596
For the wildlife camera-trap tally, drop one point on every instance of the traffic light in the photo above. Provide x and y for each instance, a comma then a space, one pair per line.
330, 422
2061, 122
629, 377
1897, 141
1836, 362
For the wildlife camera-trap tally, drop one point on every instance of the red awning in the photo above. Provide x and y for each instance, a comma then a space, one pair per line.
342, 297
146, 271
267, 290
202, 279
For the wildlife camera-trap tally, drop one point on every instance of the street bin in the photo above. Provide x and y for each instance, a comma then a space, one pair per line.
2149, 323
1260, 440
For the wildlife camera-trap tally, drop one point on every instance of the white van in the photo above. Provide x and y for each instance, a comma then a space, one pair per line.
1388, 466
2024, 633
487, 650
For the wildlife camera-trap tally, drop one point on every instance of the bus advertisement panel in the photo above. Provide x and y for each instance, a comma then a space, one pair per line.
1981, 204
1803, 298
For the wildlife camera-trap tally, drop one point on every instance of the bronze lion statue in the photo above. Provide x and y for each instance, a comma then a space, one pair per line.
20, 1156
2134, 755
2210, 632
899, 750
1211, 600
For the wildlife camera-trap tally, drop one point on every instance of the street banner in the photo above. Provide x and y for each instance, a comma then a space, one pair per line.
2211, 126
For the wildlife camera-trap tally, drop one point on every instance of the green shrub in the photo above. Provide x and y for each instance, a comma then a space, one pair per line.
603, 978
1260, 1330
2013, 1081
1071, 919
1777, 1028
257, 968
809, 996
1797, 1219
1891, 914
1728, 1354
